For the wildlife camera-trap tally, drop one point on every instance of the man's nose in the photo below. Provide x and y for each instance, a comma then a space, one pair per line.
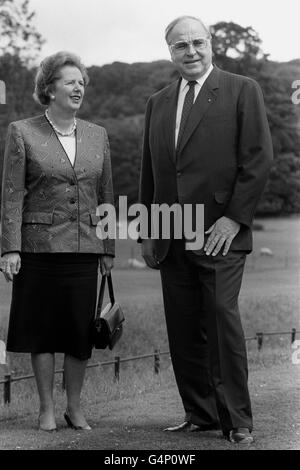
191, 49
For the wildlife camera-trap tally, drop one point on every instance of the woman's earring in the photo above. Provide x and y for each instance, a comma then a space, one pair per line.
52, 97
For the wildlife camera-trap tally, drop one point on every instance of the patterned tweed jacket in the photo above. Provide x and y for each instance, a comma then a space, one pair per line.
48, 205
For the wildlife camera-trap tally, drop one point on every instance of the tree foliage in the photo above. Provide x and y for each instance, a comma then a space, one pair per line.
232, 40
18, 34
282, 193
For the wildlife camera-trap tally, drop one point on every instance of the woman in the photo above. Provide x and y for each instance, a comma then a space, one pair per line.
56, 172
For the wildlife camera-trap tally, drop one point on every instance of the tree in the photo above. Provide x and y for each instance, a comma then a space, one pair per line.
282, 193
237, 48
232, 40
18, 34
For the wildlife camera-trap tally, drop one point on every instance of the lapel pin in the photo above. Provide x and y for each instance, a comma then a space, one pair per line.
209, 100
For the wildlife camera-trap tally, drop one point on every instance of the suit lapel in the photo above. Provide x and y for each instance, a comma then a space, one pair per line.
206, 97
170, 118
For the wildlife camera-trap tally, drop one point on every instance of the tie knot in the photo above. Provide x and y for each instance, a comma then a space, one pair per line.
192, 83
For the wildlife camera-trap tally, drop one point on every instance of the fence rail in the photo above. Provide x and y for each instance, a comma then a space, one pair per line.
116, 362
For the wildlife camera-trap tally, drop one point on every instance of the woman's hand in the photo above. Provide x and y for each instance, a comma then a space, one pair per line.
106, 264
10, 264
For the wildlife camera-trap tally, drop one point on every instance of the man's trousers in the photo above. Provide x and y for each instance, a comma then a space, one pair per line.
205, 334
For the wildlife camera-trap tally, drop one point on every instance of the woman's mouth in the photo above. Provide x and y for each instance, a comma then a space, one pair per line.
76, 98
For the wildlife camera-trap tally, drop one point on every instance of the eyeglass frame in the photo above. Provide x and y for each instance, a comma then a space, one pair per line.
189, 43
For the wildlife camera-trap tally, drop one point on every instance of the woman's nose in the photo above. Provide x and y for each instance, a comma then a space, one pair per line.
78, 86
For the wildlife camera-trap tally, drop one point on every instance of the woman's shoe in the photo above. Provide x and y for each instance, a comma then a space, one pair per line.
45, 428
73, 426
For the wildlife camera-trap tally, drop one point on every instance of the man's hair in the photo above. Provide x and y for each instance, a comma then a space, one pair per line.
48, 73
173, 23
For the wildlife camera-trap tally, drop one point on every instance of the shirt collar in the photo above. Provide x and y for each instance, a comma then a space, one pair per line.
200, 80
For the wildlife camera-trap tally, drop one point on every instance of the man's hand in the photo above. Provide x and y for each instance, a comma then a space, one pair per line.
221, 232
10, 265
106, 264
148, 253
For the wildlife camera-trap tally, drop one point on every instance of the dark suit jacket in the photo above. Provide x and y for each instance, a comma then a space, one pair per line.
224, 157
47, 204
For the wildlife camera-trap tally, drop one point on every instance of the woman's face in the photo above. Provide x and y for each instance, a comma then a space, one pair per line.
68, 89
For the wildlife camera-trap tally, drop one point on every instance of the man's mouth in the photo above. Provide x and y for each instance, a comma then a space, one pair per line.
193, 61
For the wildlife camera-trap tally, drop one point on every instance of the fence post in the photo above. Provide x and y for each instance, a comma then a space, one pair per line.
293, 337
156, 361
7, 388
117, 368
260, 337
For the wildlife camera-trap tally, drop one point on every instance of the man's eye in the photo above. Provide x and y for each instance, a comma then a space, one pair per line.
180, 45
198, 42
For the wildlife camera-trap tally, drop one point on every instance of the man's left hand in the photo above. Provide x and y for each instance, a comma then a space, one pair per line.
222, 232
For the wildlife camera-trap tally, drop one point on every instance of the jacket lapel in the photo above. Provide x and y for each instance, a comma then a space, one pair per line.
80, 143
170, 118
56, 149
206, 97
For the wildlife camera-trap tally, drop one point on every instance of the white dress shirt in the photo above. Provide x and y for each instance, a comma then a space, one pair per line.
181, 95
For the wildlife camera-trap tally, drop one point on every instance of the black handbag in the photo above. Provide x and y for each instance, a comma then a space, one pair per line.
108, 323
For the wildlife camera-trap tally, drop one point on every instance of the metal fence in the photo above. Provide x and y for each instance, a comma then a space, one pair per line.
117, 361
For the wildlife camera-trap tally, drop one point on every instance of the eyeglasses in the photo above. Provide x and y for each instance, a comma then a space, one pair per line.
181, 46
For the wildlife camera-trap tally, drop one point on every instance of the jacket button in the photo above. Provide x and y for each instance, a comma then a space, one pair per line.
179, 173
73, 218
72, 183
72, 200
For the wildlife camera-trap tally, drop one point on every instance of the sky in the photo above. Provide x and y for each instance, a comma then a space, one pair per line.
105, 31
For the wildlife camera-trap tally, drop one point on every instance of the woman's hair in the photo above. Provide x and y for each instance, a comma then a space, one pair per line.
48, 73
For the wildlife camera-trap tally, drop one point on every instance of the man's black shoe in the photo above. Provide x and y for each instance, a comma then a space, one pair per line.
240, 436
187, 426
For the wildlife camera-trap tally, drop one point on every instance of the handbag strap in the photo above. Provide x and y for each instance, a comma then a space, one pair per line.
110, 289
101, 293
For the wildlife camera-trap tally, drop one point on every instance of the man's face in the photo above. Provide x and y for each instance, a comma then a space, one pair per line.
192, 62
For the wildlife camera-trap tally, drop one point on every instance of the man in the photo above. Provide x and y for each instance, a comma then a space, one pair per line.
206, 141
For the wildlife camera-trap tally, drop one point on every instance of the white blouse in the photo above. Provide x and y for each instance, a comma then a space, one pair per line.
69, 144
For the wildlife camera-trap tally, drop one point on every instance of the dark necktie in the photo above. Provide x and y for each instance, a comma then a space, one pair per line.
187, 106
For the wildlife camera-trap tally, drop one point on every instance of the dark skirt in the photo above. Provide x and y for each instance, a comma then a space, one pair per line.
53, 304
